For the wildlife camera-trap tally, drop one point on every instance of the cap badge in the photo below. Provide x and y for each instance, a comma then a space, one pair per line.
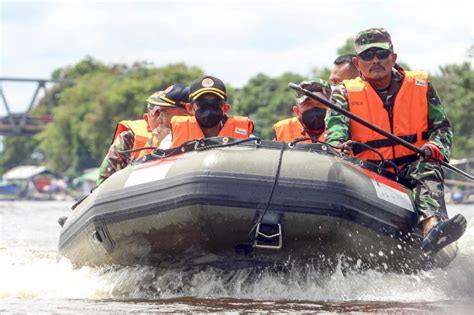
207, 82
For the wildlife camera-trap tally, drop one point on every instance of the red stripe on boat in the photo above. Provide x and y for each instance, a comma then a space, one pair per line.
384, 180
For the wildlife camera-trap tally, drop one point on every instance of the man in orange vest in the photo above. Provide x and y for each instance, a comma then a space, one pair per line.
146, 132
309, 115
405, 104
209, 118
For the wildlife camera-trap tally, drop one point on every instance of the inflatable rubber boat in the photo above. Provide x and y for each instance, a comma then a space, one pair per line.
241, 203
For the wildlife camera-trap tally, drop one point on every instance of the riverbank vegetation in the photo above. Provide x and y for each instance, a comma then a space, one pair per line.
85, 113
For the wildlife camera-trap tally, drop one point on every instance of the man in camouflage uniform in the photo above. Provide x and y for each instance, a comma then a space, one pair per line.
161, 107
381, 88
115, 159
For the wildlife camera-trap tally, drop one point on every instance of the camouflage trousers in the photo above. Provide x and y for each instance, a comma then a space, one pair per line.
427, 178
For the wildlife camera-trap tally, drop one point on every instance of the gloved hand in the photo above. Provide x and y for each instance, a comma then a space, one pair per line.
431, 152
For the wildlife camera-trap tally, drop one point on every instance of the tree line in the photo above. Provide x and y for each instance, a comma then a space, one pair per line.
85, 113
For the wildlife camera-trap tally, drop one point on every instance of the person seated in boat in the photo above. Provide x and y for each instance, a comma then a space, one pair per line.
406, 104
309, 115
343, 69
209, 109
147, 132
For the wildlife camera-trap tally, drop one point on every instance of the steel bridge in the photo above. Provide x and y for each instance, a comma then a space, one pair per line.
24, 124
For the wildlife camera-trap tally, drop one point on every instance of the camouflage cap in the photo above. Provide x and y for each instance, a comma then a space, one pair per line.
176, 95
149, 101
373, 37
315, 85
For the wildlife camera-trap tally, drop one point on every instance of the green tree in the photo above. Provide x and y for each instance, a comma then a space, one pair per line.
455, 86
17, 150
347, 48
86, 66
85, 114
322, 73
88, 112
266, 100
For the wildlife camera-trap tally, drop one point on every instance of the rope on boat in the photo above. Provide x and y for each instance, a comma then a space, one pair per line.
275, 181
225, 143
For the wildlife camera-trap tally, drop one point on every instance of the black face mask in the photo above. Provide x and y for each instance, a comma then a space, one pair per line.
209, 113
314, 118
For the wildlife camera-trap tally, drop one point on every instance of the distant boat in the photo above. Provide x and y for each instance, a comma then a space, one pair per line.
8, 191
460, 190
33, 183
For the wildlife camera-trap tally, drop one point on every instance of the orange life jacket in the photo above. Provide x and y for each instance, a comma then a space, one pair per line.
185, 128
290, 129
409, 118
142, 135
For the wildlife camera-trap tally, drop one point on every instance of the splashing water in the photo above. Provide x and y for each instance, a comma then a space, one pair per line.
30, 269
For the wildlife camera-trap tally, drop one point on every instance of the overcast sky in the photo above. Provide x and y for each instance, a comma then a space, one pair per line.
233, 40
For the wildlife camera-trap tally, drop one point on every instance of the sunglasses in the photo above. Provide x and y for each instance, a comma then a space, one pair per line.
368, 55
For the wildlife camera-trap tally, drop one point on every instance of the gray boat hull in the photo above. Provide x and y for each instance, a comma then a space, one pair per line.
201, 208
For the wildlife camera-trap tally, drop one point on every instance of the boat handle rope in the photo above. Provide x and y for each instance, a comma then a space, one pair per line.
382, 162
275, 181
227, 144
297, 140
159, 153
199, 145
312, 139
292, 143
136, 150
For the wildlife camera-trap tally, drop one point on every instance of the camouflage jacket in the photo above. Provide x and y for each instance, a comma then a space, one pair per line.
115, 160
439, 127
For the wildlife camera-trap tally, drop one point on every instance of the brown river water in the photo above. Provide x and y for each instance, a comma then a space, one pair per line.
34, 280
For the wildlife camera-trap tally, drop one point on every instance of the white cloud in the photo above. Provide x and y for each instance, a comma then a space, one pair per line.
231, 39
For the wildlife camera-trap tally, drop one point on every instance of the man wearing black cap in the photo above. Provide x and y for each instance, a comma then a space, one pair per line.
146, 132
209, 115
309, 115
170, 103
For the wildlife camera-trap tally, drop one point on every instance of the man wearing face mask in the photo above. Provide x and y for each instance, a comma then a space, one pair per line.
309, 115
209, 115
146, 132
